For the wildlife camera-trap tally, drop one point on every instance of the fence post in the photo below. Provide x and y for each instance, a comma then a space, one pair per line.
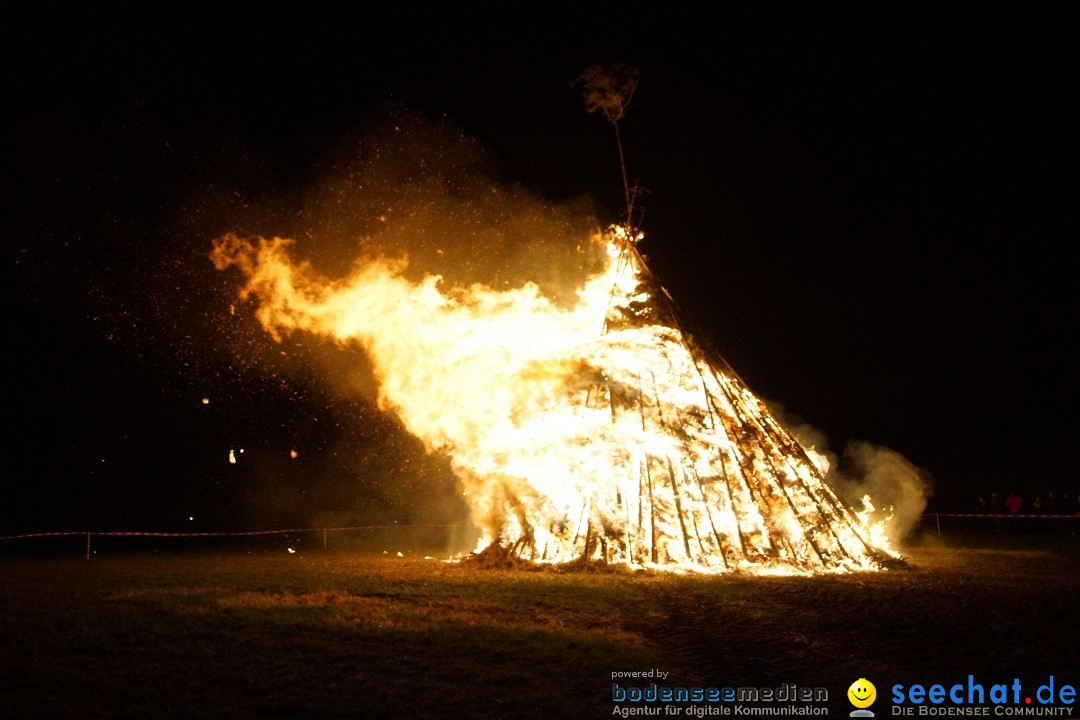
937, 517
87, 544
324, 538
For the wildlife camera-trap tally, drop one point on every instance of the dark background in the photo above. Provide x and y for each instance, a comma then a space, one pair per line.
868, 211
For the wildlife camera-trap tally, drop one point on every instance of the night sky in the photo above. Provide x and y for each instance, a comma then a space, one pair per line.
869, 212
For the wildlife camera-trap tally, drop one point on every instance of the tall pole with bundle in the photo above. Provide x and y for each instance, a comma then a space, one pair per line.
608, 91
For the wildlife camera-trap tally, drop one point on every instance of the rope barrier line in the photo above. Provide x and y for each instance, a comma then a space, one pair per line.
37, 535
138, 533
286, 531
249, 533
243, 533
938, 516
1004, 515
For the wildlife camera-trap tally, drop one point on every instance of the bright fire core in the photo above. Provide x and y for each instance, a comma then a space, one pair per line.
598, 432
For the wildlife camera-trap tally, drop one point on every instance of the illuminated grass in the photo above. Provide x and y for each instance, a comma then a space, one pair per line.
336, 635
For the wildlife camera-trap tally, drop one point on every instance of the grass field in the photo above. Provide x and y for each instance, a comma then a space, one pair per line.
323, 634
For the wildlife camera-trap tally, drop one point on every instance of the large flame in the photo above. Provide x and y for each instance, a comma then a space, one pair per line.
597, 432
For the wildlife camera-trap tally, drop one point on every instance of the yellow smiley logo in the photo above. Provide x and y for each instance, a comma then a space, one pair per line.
862, 693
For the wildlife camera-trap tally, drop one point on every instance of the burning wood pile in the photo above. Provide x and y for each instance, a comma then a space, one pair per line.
597, 433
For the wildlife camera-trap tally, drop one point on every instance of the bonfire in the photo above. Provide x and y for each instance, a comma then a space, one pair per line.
599, 432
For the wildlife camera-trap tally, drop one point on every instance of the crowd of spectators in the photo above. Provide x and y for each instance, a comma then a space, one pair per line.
1048, 502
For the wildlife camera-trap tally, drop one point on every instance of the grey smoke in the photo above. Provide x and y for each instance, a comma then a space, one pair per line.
896, 486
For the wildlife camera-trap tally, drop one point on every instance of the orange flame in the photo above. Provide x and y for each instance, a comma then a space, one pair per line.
598, 431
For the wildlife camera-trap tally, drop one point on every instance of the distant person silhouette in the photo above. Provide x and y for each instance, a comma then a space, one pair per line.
1053, 507
1013, 503
997, 507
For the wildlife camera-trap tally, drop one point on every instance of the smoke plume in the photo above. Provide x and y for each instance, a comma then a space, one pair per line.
896, 487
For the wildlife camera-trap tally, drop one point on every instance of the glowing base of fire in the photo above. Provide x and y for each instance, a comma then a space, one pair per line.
496, 557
